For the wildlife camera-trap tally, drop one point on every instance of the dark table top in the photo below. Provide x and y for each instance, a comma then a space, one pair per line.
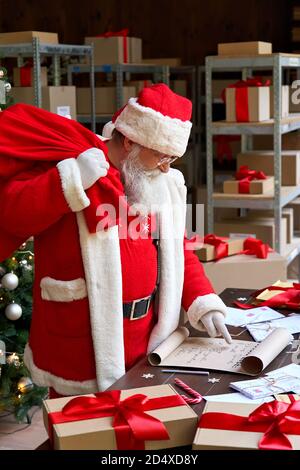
134, 377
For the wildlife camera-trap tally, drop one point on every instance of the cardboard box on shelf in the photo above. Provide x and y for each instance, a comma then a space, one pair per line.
112, 50
209, 438
99, 434
19, 37
245, 48
207, 252
245, 272
261, 229
25, 78
286, 213
255, 186
105, 99
258, 104
57, 99
285, 101
170, 61
264, 161
179, 87
295, 205
290, 141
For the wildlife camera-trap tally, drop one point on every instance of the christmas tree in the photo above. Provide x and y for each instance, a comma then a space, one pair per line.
17, 392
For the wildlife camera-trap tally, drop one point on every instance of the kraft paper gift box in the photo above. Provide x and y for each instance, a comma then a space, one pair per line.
105, 99
255, 186
264, 230
245, 48
264, 160
286, 212
258, 104
116, 50
57, 99
245, 272
25, 77
179, 420
207, 252
295, 205
285, 101
27, 36
219, 432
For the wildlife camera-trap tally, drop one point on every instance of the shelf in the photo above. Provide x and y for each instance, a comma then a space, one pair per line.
288, 124
100, 118
107, 68
15, 50
255, 201
263, 61
292, 250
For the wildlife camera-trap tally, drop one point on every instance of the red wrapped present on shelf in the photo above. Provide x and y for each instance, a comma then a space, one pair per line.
270, 426
212, 247
248, 101
249, 182
144, 418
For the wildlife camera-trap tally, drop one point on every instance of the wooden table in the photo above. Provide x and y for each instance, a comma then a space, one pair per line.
134, 377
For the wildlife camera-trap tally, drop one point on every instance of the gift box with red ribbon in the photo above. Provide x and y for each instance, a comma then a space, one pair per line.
143, 418
212, 247
270, 426
279, 295
23, 76
248, 101
116, 47
249, 182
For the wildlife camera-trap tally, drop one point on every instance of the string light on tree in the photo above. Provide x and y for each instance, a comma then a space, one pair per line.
25, 385
10, 281
13, 311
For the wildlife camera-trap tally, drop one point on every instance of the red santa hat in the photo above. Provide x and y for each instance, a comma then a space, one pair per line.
158, 119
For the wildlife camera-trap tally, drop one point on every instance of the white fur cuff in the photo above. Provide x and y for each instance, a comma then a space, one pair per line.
72, 185
202, 305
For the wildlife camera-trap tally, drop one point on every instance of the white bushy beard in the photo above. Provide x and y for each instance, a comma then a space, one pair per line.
139, 184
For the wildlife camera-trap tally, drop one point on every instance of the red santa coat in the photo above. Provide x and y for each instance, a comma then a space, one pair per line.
76, 339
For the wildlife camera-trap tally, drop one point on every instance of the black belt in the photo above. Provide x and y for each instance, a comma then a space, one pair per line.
140, 307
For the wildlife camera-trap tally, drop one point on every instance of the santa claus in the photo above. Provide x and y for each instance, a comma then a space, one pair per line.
112, 265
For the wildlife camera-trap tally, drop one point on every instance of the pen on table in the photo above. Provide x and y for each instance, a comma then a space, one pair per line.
196, 372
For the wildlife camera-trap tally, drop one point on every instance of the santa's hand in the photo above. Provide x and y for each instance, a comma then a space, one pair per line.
214, 323
92, 166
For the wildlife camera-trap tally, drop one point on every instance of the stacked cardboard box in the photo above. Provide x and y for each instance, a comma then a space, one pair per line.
27, 36
113, 50
244, 48
57, 99
105, 99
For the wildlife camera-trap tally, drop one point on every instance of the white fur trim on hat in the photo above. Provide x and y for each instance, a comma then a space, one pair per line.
153, 130
202, 305
108, 130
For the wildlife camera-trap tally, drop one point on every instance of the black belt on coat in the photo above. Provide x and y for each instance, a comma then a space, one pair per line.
139, 308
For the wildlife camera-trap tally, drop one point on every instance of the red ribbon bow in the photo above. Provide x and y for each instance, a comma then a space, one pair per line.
252, 246
223, 143
244, 176
289, 298
274, 419
131, 424
122, 33
241, 96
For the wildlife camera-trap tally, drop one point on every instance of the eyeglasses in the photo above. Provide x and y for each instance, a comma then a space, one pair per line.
166, 160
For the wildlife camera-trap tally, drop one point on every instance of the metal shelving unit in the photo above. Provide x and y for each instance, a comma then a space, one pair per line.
159, 73
277, 126
36, 49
